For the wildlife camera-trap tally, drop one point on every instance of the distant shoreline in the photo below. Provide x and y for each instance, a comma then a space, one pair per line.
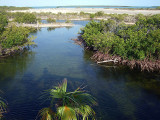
94, 6
91, 10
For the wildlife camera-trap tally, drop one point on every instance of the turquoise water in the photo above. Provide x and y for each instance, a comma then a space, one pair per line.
122, 94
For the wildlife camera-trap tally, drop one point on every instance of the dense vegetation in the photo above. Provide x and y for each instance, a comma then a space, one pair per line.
51, 20
25, 17
12, 37
158, 8
3, 22
67, 21
134, 42
74, 105
99, 14
4, 8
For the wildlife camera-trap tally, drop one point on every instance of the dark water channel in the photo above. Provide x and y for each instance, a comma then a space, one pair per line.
122, 94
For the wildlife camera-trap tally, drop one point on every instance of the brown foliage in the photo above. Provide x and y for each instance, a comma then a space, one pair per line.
143, 65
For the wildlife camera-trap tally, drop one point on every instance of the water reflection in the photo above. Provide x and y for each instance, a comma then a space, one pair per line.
68, 28
51, 28
76, 22
122, 93
12, 65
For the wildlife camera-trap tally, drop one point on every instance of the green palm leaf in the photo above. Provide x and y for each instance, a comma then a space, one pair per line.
66, 113
3, 107
86, 112
59, 91
46, 114
82, 98
69, 105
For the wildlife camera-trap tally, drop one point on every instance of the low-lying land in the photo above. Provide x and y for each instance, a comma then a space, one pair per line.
91, 10
125, 15
47, 25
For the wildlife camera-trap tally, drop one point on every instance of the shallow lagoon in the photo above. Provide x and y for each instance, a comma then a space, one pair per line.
122, 94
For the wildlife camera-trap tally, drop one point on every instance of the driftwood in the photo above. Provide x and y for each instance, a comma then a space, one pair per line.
143, 65
115, 60
99, 57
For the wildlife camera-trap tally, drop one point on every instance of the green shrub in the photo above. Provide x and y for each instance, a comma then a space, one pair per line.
68, 21
158, 8
92, 16
59, 13
25, 18
140, 41
13, 8
82, 13
39, 20
118, 17
99, 13
3, 22
51, 20
14, 36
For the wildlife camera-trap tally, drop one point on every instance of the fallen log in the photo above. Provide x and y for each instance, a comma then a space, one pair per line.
115, 60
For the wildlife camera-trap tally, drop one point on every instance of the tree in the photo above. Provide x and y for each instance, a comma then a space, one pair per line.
92, 16
99, 13
139, 42
3, 22
14, 36
50, 20
68, 21
25, 18
69, 105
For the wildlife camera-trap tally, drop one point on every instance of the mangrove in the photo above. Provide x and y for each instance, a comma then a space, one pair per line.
13, 38
137, 46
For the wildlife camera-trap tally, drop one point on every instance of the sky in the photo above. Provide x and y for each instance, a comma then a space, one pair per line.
32, 3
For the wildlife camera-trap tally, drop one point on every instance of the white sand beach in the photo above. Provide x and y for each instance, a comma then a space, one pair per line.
92, 10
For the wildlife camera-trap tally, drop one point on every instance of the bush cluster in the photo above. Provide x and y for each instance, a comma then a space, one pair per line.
67, 21
25, 18
51, 20
3, 22
140, 41
13, 8
11, 36
14, 36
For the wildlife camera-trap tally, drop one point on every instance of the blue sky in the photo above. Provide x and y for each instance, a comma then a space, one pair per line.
79, 2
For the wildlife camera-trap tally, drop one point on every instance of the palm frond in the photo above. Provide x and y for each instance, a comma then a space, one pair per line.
82, 98
3, 107
86, 112
46, 114
59, 92
66, 113
64, 85
70, 105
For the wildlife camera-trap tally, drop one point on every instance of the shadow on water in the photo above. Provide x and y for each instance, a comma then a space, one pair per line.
51, 29
26, 95
123, 93
17, 63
